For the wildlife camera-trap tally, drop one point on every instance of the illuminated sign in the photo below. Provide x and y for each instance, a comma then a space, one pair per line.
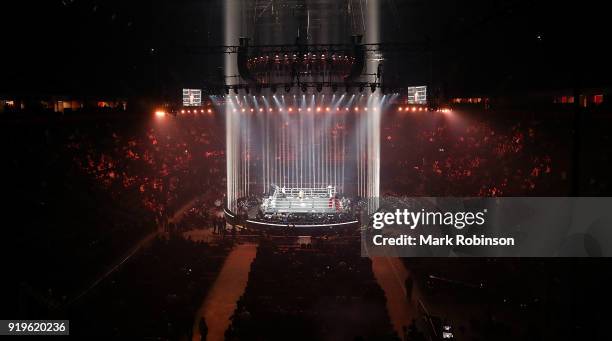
446, 333
192, 97
417, 94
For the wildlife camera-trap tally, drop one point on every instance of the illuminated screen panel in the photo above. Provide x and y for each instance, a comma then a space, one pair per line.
192, 97
417, 94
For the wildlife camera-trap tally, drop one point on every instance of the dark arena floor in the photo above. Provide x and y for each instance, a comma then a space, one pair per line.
188, 171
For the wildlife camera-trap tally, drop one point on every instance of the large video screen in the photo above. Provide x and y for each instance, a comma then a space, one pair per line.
417, 94
192, 97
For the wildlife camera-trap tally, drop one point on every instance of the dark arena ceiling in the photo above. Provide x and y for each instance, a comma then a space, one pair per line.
131, 48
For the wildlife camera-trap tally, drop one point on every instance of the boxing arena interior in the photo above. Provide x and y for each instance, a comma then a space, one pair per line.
411, 170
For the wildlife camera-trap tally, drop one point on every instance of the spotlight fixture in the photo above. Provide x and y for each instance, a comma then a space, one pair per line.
304, 88
288, 88
360, 87
373, 87
247, 90
235, 88
319, 87
227, 90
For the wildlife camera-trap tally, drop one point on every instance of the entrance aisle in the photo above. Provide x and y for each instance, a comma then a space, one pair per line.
390, 273
220, 303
